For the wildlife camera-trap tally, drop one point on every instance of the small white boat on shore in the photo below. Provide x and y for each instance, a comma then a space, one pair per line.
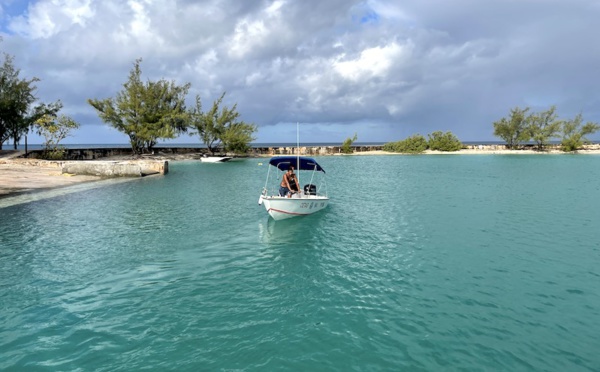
311, 198
215, 159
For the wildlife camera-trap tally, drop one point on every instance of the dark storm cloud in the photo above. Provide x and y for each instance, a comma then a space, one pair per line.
378, 68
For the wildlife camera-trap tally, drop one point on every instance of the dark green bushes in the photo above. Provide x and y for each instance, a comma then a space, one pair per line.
411, 145
444, 141
417, 143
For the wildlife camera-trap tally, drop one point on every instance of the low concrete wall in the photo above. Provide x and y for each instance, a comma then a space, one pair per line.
138, 168
100, 153
102, 168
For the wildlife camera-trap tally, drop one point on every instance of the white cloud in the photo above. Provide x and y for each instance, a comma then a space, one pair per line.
372, 62
248, 35
405, 66
139, 30
258, 31
79, 11
45, 19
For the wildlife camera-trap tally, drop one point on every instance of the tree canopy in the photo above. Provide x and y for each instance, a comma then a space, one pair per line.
221, 127
146, 112
154, 110
543, 126
513, 130
54, 129
17, 96
574, 132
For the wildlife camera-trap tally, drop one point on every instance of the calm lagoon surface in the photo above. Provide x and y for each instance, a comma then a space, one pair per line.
428, 263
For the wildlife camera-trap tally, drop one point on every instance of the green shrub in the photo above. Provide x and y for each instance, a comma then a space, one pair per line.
347, 145
411, 145
444, 141
574, 132
55, 153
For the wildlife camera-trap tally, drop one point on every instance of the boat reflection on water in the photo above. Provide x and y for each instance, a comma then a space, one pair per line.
289, 232
279, 232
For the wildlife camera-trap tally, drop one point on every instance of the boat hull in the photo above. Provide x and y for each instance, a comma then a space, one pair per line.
280, 208
215, 159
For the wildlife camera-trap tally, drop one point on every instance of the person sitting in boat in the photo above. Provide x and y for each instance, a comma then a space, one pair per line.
289, 183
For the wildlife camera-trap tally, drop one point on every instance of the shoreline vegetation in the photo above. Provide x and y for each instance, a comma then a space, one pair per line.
25, 175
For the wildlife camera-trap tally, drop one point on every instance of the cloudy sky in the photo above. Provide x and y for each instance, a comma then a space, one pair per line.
384, 69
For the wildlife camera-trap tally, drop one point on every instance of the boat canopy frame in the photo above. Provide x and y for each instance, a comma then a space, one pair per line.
306, 164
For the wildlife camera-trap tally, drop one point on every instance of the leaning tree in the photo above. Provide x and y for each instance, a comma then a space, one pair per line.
146, 111
221, 127
574, 132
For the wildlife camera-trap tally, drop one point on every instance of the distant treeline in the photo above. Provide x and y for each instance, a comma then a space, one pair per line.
520, 127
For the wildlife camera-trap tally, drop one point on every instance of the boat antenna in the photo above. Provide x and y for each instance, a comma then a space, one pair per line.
298, 154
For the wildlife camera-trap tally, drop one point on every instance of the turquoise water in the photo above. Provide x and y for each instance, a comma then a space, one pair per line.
419, 263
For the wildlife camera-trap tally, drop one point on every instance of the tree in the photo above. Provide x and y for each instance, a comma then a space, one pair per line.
146, 112
54, 129
237, 137
411, 145
16, 97
574, 133
514, 129
543, 126
444, 141
347, 145
220, 127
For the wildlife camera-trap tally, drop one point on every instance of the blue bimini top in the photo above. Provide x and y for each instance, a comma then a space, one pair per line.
283, 162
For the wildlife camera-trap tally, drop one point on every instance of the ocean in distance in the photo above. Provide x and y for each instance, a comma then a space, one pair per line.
419, 263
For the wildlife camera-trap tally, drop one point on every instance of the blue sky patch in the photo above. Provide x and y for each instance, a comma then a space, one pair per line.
11, 9
370, 17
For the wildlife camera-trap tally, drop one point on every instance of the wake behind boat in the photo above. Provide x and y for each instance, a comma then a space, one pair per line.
311, 198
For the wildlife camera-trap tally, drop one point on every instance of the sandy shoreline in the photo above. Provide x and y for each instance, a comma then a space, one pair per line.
480, 152
18, 176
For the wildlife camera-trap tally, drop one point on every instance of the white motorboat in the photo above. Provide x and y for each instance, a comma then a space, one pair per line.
311, 198
215, 159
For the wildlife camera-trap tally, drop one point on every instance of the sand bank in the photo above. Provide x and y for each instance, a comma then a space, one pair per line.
18, 177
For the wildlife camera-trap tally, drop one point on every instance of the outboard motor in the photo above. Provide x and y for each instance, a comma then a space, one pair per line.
310, 189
